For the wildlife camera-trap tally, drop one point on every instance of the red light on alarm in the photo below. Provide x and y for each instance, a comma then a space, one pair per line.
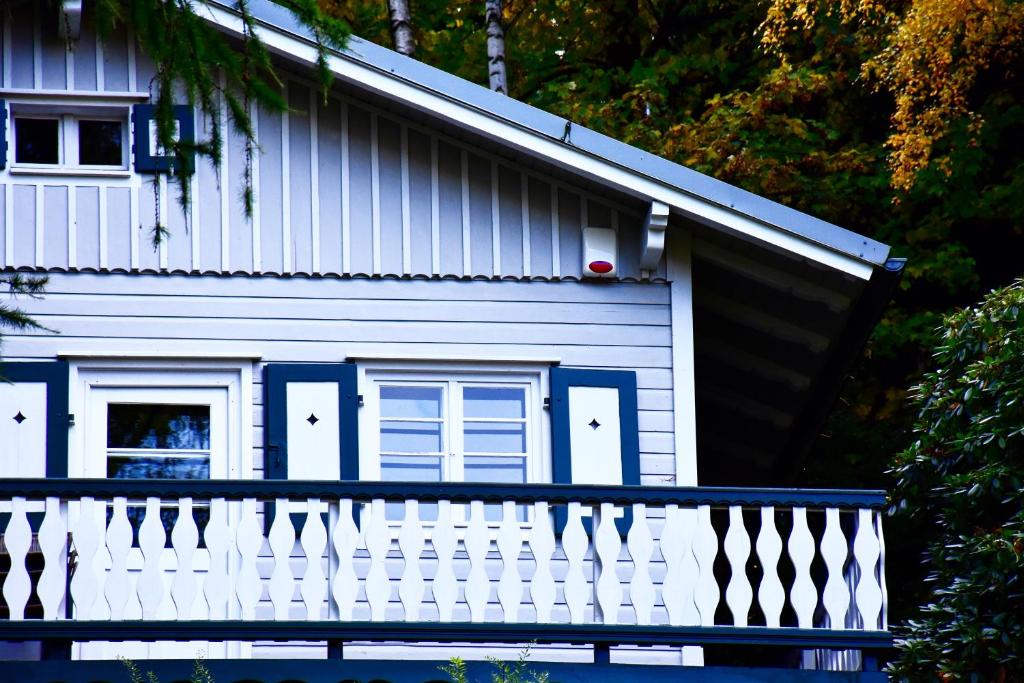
600, 267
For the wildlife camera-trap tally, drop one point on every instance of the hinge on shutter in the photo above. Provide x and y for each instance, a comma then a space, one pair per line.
359, 399
71, 419
547, 402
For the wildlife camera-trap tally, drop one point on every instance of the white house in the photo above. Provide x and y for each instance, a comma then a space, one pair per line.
534, 384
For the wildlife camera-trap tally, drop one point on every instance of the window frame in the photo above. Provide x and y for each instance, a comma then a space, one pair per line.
68, 118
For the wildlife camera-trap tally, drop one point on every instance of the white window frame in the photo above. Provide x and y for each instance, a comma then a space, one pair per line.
68, 117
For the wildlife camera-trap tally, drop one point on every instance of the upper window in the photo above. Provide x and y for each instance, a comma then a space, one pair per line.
87, 141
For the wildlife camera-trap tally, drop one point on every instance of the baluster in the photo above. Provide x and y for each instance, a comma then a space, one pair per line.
607, 546
378, 542
346, 539
705, 546
510, 544
574, 544
282, 540
53, 538
249, 538
542, 547
314, 541
17, 539
411, 540
770, 593
185, 540
803, 595
640, 544
681, 566
478, 542
866, 550
738, 594
84, 584
119, 544
836, 597
217, 586
443, 539
881, 570
152, 539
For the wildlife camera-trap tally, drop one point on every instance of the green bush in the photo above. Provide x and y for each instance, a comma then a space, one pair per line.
965, 477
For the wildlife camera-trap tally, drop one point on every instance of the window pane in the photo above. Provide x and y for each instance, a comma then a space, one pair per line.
37, 141
410, 401
407, 468
99, 143
494, 402
148, 425
495, 437
496, 470
131, 467
410, 437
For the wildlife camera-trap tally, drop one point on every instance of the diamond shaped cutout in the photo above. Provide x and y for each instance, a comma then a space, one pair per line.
312, 419
594, 424
19, 418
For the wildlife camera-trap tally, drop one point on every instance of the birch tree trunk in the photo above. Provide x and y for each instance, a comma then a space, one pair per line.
495, 47
401, 26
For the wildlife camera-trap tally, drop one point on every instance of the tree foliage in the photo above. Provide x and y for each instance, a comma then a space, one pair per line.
964, 476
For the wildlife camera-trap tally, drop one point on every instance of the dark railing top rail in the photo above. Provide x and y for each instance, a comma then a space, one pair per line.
364, 491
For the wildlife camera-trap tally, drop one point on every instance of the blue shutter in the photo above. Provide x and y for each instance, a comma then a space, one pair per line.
628, 446
55, 376
145, 160
3, 133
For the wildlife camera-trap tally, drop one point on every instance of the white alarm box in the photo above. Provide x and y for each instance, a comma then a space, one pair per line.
600, 252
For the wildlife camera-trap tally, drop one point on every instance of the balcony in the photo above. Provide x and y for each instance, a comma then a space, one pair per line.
765, 570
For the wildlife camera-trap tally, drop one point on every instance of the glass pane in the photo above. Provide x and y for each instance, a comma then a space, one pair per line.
494, 402
131, 467
410, 468
37, 141
495, 437
99, 143
496, 470
410, 401
410, 437
148, 425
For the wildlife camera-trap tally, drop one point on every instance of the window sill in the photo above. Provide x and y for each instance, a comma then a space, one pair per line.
70, 172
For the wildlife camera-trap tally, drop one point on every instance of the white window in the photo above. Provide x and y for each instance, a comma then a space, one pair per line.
88, 139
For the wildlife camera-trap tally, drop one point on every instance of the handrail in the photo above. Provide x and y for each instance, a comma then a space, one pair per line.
366, 491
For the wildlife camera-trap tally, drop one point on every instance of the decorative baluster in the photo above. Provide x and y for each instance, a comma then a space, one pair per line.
17, 539
640, 544
738, 594
510, 544
705, 548
152, 539
881, 570
574, 544
249, 538
282, 540
607, 546
84, 584
681, 569
346, 539
803, 595
217, 586
314, 541
443, 540
478, 542
185, 540
410, 541
542, 547
866, 550
770, 593
378, 542
836, 597
119, 544
53, 538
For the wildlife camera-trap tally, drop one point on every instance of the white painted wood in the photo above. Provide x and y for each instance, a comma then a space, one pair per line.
406, 205
346, 200
524, 189
23, 443
738, 594
103, 228
684, 416
7, 52
313, 445
411, 539
119, 544
248, 539
85, 585
282, 540
574, 544
132, 77
313, 588
378, 542
53, 539
705, 549
72, 223
9, 259
435, 210
444, 541
152, 537
640, 544
510, 544
287, 257
478, 542
185, 540
607, 545
135, 229
224, 183
40, 223
194, 226
17, 540
467, 244
257, 219
596, 453
802, 595
101, 65
163, 198
866, 551
375, 191
314, 176
770, 594
834, 550
345, 539
881, 571
220, 546
542, 547
495, 220
556, 248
